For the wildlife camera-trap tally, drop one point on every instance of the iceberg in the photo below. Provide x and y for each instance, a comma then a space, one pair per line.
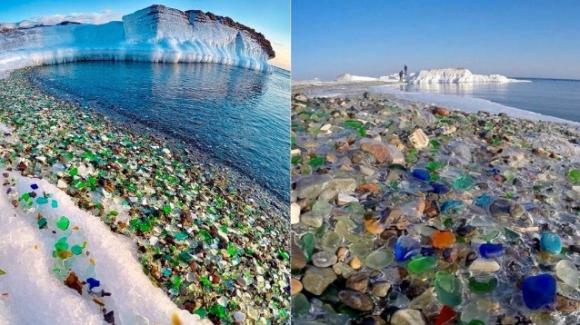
154, 34
347, 77
456, 76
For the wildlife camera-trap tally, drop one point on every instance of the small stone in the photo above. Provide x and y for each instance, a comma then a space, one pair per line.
550, 243
316, 280
355, 263
344, 199
358, 281
294, 213
61, 184
440, 188
567, 272
324, 259
441, 111
300, 305
315, 217
448, 289
378, 259
500, 208
381, 289
489, 250
419, 139
298, 260
421, 174
377, 149
421, 264
442, 239
239, 317
356, 300
326, 127
62, 223
482, 285
481, 265
295, 286
405, 248
539, 291
407, 317
368, 187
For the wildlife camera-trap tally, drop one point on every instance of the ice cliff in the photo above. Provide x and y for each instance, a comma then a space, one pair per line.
154, 34
452, 75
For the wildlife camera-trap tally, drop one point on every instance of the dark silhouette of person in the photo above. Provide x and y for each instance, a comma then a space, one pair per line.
401, 75
405, 69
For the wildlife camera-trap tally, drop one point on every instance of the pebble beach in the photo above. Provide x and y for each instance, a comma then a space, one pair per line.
202, 232
408, 213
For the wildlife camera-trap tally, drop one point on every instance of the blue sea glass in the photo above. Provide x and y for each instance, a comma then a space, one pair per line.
440, 188
550, 242
539, 291
451, 206
405, 248
421, 174
489, 250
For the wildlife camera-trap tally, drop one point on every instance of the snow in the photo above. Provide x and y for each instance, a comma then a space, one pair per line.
459, 75
30, 291
170, 36
346, 77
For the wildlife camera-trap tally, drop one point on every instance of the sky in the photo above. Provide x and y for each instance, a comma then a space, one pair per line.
270, 17
517, 38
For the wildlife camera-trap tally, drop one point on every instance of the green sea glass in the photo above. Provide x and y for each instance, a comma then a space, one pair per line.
448, 288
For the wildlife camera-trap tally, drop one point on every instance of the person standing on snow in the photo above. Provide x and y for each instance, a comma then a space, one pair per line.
405, 69
401, 75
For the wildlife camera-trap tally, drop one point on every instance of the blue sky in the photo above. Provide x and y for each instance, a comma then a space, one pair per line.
270, 17
515, 38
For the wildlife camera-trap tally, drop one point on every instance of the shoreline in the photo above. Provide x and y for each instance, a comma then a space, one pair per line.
456, 102
186, 150
192, 222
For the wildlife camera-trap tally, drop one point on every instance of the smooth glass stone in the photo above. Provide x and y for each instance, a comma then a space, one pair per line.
93, 283
440, 188
539, 290
442, 239
41, 200
550, 243
34, 186
77, 250
180, 236
489, 250
300, 305
422, 264
405, 248
54, 204
448, 288
324, 259
483, 201
482, 285
450, 206
428, 251
379, 259
62, 223
42, 223
331, 241
574, 176
567, 272
421, 174
463, 182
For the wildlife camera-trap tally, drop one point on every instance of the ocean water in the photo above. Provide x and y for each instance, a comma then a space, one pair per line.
554, 97
238, 116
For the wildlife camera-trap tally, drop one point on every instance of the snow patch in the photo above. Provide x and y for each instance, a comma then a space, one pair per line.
31, 291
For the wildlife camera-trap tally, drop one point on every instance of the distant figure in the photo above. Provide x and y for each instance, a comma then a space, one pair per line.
405, 69
401, 75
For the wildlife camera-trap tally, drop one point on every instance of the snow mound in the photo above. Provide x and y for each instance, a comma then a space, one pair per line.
153, 34
346, 77
33, 290
459, 75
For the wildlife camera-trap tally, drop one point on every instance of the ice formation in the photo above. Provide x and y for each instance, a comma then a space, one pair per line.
156, 34
347, 77
452, 75
32, 292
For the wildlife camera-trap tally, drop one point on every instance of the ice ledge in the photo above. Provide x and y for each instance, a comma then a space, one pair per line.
153, 34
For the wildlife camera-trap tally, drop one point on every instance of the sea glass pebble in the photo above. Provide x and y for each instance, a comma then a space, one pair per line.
378, 259
421, 174
440, 188
62, 223
489, 250
448, 288
539, 290
442, 239
422, 264
567, 272
482, 285
550, 243
405, 248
